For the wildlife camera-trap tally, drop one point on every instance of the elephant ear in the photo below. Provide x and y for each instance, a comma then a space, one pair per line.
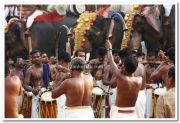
152, 15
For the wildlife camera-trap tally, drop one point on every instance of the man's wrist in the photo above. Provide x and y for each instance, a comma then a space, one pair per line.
109, 49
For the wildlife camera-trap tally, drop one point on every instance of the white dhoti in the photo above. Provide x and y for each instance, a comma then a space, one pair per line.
35, 107
20, 116
112, 98
149, 103
122, 112
83, 112
61, 102
19, 102
140, 105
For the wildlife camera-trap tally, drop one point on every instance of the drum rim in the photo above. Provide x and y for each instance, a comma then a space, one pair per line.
53, 100
98, 88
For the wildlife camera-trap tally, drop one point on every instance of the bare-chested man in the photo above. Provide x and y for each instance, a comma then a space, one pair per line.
34, 77
98, 64
78, 91
18, 72
13, 89
63, 69
18, 69
163, 68
34, 74
141, 100
80, 53
128, 86
45, 59
62, 73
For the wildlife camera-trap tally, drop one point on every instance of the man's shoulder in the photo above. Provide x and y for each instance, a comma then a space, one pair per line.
12, 80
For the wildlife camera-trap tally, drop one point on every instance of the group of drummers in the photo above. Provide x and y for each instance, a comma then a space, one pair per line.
117, 84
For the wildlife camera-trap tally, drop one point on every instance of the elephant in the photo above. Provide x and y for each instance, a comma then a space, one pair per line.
45, 34
155, 27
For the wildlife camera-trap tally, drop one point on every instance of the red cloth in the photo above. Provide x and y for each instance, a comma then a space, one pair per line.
49, 17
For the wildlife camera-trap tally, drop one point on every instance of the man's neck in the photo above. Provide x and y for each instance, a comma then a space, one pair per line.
18, 68
65, 65
77, 74
37, 65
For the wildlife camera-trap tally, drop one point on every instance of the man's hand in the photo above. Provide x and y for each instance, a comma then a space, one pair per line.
35, 91
108, 44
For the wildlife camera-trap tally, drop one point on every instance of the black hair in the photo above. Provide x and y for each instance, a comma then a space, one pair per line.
77, 51
130, 64
63, 55
140, 54
171, 73
171, 54
114, 51
125, 52
102, 51
77, 64
150, 54
18, 57
35, 51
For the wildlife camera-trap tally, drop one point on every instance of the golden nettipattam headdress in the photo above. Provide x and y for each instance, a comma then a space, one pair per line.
84, 23
129, 21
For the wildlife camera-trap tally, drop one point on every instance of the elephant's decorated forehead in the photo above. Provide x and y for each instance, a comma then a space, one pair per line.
84, 23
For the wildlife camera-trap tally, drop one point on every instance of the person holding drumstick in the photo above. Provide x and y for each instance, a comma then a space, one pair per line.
168, 61
128, 86
78, 91
34, 76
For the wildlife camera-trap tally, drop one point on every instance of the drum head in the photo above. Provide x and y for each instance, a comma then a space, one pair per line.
97, 91
29, 94
46, 96
160, 91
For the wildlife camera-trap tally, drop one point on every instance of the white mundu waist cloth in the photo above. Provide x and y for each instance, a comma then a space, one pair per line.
112, 98
141, 104
61, 102
19, 102
122, 112
83, 112
35, 107
149, 103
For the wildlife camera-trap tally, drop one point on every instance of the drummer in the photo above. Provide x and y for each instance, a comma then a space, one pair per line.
78, 91
141, 100
128, 86
34, 77
165, 107
13, 89
162, 70
63, 67
62, 74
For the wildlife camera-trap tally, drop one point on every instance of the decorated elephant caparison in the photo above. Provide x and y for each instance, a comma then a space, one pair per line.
44, 35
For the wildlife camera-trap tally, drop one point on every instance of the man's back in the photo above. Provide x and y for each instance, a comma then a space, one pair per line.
12, 91
79, 91
127, 91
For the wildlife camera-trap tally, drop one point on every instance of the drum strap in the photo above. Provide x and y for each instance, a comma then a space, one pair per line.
46, 74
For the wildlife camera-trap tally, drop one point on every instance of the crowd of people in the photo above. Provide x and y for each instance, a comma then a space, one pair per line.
130, 82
